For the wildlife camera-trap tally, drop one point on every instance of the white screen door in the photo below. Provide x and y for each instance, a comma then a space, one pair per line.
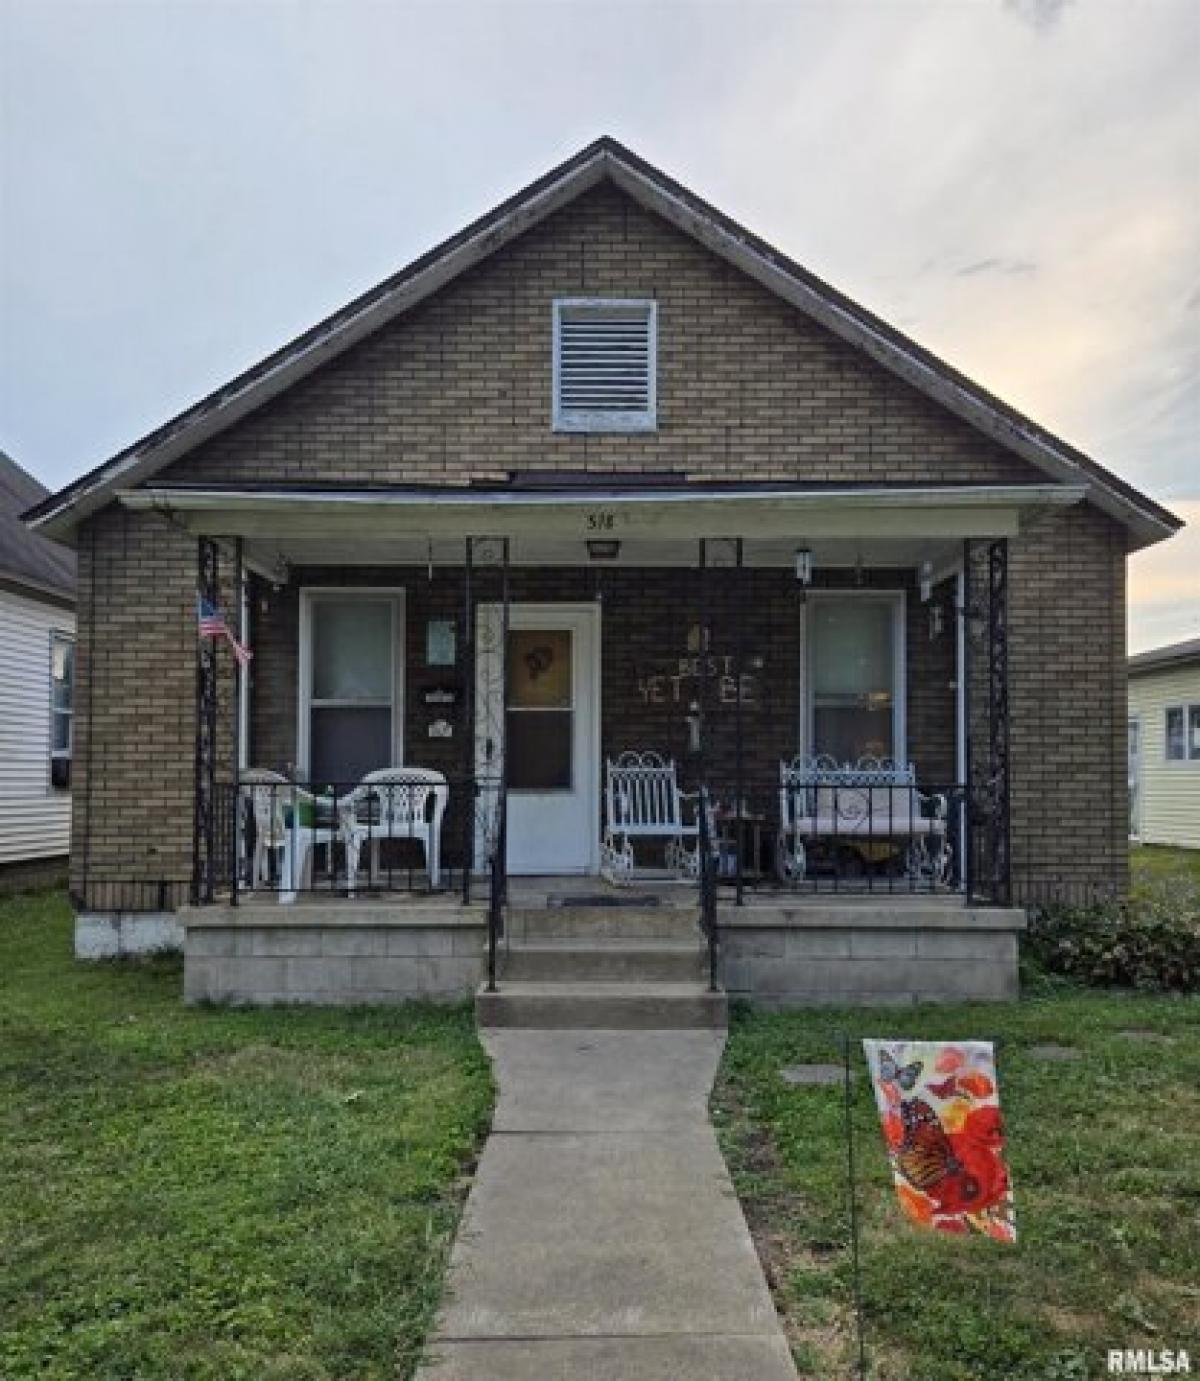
544, 720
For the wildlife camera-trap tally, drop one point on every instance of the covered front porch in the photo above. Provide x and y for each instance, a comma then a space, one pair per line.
826, 693
476, 721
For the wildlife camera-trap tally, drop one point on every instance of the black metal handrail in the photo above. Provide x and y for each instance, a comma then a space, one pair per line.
707, 875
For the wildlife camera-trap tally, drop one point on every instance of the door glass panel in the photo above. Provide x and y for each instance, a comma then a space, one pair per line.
539, 668
539, 718
352, 649
853, 677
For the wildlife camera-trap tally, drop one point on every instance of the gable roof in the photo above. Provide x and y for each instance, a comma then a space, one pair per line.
1185, 653
26, 559
606, 159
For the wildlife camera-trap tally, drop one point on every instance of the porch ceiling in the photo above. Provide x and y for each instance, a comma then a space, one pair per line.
880, 526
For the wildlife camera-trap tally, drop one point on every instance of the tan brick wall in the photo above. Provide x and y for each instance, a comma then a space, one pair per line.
460, 390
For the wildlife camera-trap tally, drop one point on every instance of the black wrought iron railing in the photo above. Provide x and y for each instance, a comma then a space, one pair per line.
414, 831
802, 833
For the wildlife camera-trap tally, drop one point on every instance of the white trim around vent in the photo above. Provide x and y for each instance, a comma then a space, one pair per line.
605, 364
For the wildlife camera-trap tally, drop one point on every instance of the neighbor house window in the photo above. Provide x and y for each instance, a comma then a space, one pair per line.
855, 676
62, 708
605, 365
1183, 733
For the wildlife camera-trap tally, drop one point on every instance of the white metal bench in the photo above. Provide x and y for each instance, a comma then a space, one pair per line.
871, 801
642, 801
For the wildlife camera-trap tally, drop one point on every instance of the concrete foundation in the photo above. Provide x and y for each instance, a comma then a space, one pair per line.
122, 934
870, 953
348, 954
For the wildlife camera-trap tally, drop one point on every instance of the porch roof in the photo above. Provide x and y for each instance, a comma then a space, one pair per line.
300, 522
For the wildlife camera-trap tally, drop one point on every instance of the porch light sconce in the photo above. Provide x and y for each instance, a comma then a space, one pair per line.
937, 622
603, 548
804, 566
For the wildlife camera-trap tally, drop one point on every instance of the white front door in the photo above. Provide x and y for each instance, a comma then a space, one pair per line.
538, 714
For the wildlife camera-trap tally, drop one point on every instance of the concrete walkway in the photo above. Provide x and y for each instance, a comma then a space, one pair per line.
602, 1239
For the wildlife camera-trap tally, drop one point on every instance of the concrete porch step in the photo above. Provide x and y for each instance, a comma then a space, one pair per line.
603, 1006
604, 960
602, 922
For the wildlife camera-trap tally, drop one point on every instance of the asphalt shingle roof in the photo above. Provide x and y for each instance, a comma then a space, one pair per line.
26, 558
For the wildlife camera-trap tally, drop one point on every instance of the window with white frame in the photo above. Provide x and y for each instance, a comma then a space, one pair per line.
605, 364
62, 708
1182, 726
351, 712
855, 672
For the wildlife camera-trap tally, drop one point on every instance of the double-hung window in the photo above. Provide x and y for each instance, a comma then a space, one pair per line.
1182, 733
62, 708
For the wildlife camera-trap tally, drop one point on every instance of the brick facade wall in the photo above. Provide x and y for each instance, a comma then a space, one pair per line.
459, 391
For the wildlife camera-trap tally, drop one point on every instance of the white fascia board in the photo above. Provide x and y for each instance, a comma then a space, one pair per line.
989, 511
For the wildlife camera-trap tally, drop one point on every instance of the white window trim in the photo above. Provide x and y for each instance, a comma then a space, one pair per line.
575, 420
1188, 761
310, 594
53, 754
1133, 763
899, 602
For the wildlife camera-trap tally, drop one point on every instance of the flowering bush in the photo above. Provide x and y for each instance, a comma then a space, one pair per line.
1150, 940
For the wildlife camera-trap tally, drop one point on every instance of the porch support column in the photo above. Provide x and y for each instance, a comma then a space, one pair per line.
204, 838
239, 676
739, 764
998, 735
470, 787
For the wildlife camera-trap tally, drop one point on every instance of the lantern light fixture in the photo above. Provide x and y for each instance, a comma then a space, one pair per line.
804, 566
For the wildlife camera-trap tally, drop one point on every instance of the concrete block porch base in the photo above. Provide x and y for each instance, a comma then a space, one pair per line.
333, 954
868, 952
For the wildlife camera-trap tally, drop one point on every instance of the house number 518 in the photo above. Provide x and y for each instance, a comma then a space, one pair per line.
601, 522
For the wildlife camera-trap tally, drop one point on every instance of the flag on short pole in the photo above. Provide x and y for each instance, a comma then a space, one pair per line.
212, 624
939, 1107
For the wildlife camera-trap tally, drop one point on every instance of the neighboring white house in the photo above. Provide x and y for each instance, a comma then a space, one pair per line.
37, 661
1164, 745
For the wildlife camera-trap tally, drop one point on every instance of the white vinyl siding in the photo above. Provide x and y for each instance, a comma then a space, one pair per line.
605, 365
1169, 805
35, 819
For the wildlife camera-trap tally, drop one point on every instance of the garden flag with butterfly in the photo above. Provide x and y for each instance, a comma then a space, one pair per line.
940, 1110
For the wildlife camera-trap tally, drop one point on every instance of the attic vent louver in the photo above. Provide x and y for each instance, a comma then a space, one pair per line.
604, 365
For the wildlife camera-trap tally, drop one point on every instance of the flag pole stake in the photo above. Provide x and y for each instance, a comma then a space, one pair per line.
852, 1196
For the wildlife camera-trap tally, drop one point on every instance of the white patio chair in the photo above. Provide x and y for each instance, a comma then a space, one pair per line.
394, 803
265, 792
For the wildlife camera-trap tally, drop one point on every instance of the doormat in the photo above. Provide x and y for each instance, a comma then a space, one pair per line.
601, 899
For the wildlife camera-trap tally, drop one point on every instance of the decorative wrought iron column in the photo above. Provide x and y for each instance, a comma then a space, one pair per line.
998, 722
204, 832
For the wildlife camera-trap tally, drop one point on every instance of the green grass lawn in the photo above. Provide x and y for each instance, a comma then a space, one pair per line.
1152, 862
190, 1193
1105, 1158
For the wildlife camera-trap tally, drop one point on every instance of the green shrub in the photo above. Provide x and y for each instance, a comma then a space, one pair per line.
1149, 941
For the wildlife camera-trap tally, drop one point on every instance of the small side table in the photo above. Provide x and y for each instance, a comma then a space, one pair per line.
754, 831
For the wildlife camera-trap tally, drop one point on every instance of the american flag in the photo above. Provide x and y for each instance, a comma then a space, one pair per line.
212, 624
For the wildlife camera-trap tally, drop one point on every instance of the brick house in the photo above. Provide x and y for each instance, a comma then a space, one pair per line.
726, 515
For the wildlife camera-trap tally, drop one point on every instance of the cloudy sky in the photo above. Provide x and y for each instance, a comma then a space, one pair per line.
186, 183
